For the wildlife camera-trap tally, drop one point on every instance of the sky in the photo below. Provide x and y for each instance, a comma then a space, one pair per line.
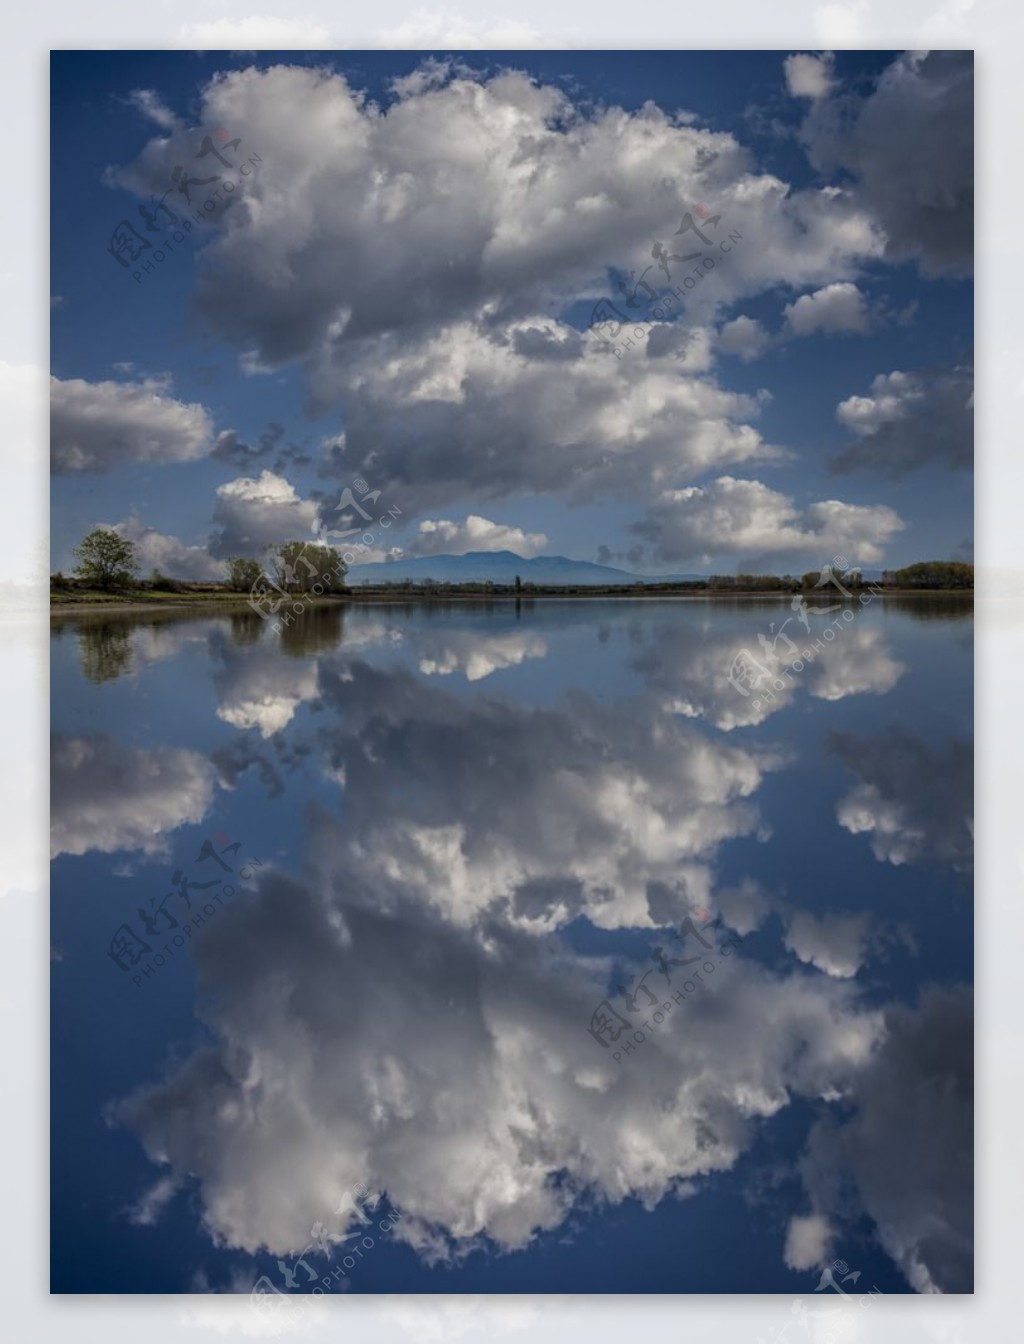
455, 280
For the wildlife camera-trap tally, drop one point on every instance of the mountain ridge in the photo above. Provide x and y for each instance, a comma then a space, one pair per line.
502, 567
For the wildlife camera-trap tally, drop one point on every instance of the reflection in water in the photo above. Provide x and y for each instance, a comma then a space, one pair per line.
463, 859
915, 803
312, 630
105, 649
246, 628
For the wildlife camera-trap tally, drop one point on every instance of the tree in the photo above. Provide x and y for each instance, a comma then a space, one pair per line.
301, 566
243, 573
106, 559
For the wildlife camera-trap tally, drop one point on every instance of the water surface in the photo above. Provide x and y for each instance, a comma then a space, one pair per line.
516, 940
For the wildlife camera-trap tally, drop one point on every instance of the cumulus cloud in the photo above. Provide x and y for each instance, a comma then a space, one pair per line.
474, 655
106, 796
633, 807
252, 513
232, 449
745, 337
914, 801
170, 555
808, 76
911, 420
456, 1073
440, 537
808, 1239
907, 1150
463, 411
261, 688
909, 145
99, 426
835, 944
690, 666
152, 106
753, 524
414, 269
835, 308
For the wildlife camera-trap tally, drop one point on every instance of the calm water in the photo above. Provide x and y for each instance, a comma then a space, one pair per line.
519, 944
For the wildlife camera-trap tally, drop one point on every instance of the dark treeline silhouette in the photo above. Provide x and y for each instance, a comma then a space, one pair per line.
930, 574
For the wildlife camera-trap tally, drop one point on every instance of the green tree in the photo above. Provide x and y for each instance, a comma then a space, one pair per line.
243, 573
301, 566
106, 559
932, 574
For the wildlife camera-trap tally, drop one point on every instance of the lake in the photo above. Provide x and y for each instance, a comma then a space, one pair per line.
560, 946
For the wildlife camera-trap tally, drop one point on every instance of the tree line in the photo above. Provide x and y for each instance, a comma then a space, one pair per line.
108, 561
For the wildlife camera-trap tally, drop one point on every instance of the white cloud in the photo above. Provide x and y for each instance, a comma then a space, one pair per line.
253, 513
106, 796
440, 537
838, 307
170, 555
465, 410
914, 800
808, 76
691, 668
911, 420
808, 1239
98, 426
836, 944
906, 1152
634, 809
262, 688
151, 105
908, 146
743, 336
414, 271
747, 520
467, 1082
477, 657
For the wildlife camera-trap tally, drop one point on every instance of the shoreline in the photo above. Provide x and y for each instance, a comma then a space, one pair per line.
231, 604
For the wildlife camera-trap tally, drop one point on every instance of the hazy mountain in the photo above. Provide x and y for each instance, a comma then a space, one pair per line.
495, 567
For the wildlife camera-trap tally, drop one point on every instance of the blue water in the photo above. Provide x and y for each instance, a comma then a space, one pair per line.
432, 842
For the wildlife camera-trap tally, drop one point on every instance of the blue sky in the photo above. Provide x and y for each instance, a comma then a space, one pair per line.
401, 293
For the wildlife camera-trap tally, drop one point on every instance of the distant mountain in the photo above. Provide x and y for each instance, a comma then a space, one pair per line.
497, 567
